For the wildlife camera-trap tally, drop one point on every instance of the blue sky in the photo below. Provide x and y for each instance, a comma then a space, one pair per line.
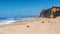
11, 8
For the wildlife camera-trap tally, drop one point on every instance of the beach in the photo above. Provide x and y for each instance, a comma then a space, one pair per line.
29, 17
35, 26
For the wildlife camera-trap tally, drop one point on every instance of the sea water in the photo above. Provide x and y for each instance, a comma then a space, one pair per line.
13, 20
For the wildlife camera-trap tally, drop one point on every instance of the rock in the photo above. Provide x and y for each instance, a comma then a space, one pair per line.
50, 13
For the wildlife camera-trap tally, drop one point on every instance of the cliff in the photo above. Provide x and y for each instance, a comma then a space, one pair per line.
50, 13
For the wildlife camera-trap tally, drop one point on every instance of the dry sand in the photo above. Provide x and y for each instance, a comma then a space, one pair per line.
36, 26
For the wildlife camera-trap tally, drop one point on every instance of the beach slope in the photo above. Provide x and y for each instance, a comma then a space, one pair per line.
36, 26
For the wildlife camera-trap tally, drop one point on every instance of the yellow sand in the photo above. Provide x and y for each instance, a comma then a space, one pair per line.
36, 26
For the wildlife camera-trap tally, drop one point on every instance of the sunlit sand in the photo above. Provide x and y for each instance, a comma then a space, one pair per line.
36, 26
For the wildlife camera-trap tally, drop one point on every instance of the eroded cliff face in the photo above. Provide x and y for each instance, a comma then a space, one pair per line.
50, 13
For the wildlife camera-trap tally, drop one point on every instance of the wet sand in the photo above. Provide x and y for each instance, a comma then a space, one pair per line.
35, 26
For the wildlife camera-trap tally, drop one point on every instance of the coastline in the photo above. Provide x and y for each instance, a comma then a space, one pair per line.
35, 26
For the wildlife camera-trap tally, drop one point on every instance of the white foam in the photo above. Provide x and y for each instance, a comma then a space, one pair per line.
12, 20
7, 22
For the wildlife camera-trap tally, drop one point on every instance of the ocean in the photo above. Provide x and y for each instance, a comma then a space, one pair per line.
12, 20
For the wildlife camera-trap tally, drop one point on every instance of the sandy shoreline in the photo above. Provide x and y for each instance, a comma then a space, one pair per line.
36, 26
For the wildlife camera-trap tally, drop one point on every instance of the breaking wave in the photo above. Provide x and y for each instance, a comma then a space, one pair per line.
12, 20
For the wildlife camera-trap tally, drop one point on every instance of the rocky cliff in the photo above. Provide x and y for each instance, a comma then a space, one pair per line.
50, 13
